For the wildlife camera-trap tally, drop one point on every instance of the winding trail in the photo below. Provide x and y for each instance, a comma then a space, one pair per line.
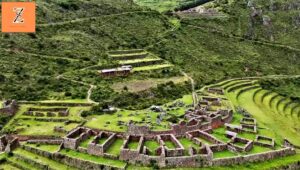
194, 93
89, 94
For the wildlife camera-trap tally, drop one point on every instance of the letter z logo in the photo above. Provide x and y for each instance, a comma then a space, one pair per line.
18, 17
19, 12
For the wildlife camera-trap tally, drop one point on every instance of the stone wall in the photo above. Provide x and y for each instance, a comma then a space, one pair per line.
180, 129
258, 142
291, 166
138, 130
29, 137
76, 136
204, 135
9, 107
247, 147
253, 158
59, 109
216, 121
199, 160
128, 154
145, 63
47, 142
70, 161
50, 120
249, 128
39, 165
287, 143
38, 112
99, 149
126, 51
63, 104
222, 116
188, 161
177, 151
216, 90
131, 57
11, 145
227, 115
218, 147
3, 143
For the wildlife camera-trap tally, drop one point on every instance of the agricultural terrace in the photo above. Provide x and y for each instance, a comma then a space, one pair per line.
271, 110
58, 119
139, 59
163, 6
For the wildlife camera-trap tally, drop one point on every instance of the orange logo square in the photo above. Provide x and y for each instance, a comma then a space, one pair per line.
18, 16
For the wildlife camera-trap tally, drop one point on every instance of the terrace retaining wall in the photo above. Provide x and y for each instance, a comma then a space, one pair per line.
145, 63
57, 104
32, 162
131, 56
253, 158
28, 137
48, 142
74, 162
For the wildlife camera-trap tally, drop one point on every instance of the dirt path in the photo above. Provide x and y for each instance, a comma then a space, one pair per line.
194, 93
89, 94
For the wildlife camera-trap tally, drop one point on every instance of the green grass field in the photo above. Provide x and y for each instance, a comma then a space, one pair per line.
220, 134
32, 127
48, 148
102, 140
186, 143
133, 145
86, 142
151, 145
170, 144
224, 154
115, 148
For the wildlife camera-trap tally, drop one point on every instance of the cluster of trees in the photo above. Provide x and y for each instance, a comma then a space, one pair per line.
41, 88
135, 101
3, 120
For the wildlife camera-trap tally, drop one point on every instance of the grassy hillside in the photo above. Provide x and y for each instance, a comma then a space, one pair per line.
213, 48
275, 21
74, 39
212, 56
